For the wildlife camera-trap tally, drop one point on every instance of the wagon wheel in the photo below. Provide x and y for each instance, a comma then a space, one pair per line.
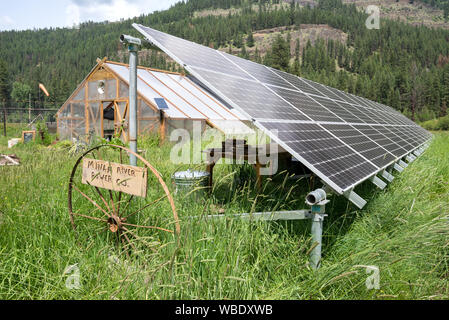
131, 220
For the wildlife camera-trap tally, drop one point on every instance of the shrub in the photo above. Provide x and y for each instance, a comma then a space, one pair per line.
43, 137
443, 123
437, 124
430, 125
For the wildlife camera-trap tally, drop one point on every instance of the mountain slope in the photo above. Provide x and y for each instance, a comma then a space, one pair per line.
400, 65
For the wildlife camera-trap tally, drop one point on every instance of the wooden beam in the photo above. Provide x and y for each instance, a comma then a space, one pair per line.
162, 127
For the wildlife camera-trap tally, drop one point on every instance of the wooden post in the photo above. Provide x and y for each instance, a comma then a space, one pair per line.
86, 111
210, 170
4, 118
162, 127
258, 166
29, 109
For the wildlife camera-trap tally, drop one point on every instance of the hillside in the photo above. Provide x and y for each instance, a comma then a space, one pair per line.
400, 65
429, 13
303, 33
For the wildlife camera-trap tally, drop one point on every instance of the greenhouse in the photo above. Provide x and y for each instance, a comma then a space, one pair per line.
166, 101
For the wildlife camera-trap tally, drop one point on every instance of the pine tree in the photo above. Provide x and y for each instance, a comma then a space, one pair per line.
4, 91
243, 53
443, 111
279, 55
250, 41
5, 88
238, 41
297, 49
446, 11
257, 56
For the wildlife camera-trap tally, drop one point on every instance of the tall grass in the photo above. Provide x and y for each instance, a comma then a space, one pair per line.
403, 231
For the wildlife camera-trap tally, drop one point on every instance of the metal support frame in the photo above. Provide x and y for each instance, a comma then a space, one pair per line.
268, 216
356, 199
398, 168
378, 182
403, 164
133, 61
133, 48
410, 158
387, 176
317, 238
317, 214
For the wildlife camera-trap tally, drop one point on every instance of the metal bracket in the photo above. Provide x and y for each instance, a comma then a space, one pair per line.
379, 183
320, 207
403, 164
356, 199
411, 157
387, 176
398, 168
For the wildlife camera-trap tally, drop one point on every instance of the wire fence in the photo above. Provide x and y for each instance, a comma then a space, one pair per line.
25, 115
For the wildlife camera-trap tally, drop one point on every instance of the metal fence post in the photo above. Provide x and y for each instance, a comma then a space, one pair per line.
317, 238
4, 118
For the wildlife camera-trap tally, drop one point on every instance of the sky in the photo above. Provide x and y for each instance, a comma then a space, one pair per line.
30, 14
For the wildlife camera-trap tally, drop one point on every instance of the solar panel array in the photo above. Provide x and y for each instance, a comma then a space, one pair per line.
344, 139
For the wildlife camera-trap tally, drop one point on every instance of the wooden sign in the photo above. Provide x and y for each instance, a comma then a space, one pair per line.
28, 136
116, 177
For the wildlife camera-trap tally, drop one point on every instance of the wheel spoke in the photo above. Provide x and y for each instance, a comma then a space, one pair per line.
119, 203
147, 206
127, 239
128, 203
139, 239
112, 201
124, 243
89, 217
101, 196
91, 201
146, 227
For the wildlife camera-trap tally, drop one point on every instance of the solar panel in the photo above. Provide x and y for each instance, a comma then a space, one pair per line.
161, 103
342, 138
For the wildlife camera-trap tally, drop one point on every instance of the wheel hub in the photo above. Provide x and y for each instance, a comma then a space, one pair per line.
115, 224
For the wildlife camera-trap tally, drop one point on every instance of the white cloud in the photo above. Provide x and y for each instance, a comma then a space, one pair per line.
73, 15
6, 21
111, 10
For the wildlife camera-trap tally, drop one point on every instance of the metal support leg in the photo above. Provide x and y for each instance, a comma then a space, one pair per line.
133, 61
317, 237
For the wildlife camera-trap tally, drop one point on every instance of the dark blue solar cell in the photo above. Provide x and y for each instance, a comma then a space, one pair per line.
161, 103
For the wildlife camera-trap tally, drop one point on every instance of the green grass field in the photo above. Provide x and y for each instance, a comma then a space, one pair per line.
404, 231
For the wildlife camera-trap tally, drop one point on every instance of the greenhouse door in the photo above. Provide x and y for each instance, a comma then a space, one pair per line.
115, 119
121, 123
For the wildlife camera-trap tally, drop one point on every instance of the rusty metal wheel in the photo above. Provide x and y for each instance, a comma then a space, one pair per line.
133, 221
